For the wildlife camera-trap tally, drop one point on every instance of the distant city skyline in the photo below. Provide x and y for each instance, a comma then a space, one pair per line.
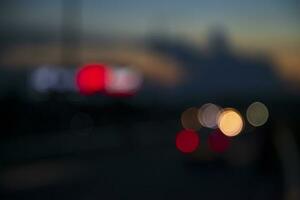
271, 25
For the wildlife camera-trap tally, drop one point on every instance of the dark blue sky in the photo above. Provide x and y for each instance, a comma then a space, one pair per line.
252, 20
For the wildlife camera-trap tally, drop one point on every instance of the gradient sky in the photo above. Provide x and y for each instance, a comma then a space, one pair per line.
255, 21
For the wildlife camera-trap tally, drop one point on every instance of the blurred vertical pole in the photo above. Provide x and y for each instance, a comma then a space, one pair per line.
71, 31
288, 152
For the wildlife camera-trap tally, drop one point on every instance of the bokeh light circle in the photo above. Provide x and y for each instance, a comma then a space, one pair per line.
208, 115
189, 119
218, 142
187, 141
230, 122
257, 114
123, 82
91, 78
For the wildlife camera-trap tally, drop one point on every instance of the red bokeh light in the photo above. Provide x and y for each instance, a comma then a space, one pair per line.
218, 142
91, 78
187, 141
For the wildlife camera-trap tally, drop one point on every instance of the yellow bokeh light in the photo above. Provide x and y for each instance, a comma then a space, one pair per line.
257, 114
189, 119
230, 122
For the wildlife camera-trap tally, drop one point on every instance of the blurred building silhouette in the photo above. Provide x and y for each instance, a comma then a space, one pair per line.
218, 70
